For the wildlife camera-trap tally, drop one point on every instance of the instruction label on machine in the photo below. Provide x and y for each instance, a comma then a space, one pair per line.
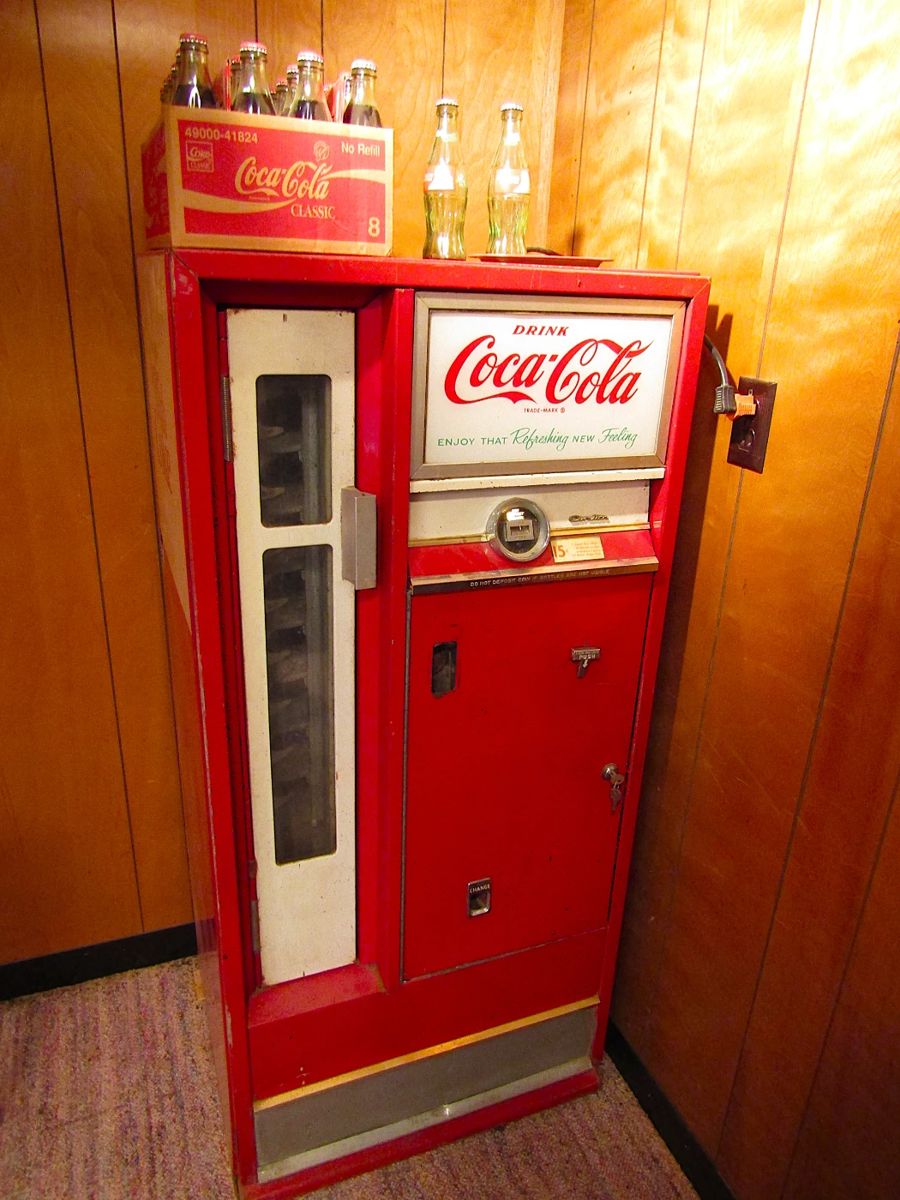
577, 549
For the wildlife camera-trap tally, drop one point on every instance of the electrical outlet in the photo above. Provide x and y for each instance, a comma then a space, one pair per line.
750, 435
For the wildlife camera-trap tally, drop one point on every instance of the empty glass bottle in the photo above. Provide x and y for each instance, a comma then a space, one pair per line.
168, 88
509, 187
445, 188
193, 87
280, 97
234, 78
253, 95
361, 108
292, 74
309, 98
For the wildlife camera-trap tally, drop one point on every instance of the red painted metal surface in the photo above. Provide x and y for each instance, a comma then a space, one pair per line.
191, 356
505, 770
231, 267
461, 796
293, 1045
626, 548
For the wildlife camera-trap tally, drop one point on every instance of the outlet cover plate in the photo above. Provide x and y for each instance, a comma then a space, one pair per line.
750, 435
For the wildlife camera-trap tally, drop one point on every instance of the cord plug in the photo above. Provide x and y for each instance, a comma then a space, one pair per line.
724, 403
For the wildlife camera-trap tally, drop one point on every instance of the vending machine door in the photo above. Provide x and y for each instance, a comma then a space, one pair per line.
519, 697
292, 404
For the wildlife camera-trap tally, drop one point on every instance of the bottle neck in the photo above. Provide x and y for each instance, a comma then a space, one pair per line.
311, 82
512, 128
445, 171
447, 124
193, 68
253, 75
362, 89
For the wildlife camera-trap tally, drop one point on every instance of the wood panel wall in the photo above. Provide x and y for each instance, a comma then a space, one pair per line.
759, 976
91, 828
754, 142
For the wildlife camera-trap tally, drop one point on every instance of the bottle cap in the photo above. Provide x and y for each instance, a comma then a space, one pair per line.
253, 48
363, 64
310, 56
512, 106
446, 100
292, 72
235, 60
194, 39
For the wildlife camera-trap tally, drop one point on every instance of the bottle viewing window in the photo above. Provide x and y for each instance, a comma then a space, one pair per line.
253, 95
361, 108
193, 87
509, 187
445, 188
309, 98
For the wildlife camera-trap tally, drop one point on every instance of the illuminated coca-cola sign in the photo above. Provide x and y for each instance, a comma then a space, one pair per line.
597, 369
561, 390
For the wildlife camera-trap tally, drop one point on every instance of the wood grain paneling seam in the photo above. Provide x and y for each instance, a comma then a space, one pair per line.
798, 807
690, 153
444, 48
89, 483
801, 796
141, 355
662, 38
787, 194
848, 965
685, 817
587, 78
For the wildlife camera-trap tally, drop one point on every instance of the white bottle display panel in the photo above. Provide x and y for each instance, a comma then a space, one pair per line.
292, 398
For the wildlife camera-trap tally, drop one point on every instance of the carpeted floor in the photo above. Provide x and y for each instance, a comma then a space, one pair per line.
106, 1093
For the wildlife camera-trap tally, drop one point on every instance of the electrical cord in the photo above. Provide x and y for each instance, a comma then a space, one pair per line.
724, 402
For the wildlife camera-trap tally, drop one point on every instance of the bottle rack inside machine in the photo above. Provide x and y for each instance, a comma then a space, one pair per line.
417, 523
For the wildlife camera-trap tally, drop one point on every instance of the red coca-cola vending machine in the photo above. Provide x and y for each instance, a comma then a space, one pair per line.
417, 526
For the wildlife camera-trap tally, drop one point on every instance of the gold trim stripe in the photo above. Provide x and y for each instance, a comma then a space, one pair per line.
573, 531
442, 1048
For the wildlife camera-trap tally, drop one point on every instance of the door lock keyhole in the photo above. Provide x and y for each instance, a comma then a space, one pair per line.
616, 781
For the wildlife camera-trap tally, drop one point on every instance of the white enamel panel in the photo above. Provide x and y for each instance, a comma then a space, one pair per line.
307, 909
538, 384
463, 515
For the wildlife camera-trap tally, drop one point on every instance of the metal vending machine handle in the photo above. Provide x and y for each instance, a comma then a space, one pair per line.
359, 540
616, 780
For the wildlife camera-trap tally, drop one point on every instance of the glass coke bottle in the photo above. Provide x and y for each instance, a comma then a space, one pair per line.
445, 187
234, 77
193, 87
361, 108
293, 75
309, 99
253, 95
509, 187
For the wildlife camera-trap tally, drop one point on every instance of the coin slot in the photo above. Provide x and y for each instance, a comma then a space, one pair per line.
443, 668
479, 897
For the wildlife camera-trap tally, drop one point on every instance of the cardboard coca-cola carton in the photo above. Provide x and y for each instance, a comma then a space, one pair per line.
231, 180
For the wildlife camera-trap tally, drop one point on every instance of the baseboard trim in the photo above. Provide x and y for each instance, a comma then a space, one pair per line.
683, 1146
93, 962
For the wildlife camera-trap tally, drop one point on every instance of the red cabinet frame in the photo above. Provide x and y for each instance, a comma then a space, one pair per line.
272, 1040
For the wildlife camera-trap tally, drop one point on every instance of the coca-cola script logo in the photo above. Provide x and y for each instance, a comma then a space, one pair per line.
596, 369
301, 180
